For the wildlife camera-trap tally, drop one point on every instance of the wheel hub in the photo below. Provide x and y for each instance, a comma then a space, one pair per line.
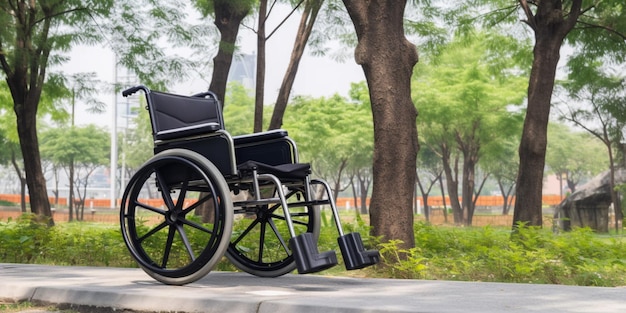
172, 217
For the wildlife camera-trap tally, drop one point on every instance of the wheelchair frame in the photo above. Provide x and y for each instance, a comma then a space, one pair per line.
198, 168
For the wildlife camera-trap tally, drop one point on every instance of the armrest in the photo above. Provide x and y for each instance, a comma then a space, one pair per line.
187, 131
260, 137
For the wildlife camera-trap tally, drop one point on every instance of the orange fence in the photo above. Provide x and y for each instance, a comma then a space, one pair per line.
437, 201
433, 201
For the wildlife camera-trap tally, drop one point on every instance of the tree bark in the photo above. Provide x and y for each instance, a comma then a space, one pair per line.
228, 17
22, 181
452, 184
550, 25
307, 21
259, 97
29, 144
387, 59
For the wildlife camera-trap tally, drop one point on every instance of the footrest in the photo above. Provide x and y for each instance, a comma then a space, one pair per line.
308, 258
354, 254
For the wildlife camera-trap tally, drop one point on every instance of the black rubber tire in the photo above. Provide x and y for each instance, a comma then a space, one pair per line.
259, 243
171, 243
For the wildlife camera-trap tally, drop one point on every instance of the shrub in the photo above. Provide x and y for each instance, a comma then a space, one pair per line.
531, 255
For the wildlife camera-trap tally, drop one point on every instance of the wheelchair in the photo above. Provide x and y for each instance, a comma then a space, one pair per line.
206, 181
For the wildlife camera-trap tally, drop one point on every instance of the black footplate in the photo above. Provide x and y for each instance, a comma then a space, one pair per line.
308, 258
354, 254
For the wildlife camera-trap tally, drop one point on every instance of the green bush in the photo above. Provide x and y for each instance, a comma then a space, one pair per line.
7, 203
25, 241
531, 255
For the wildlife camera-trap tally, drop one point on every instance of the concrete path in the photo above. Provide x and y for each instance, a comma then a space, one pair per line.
133, 290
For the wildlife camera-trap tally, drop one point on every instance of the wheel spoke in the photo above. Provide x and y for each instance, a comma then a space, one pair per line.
295, 221
196, 204
261, 242
183, 193
152, 232
245, 232
168, 246
149, 207
183, 236
165, 190
279, 236
196, 226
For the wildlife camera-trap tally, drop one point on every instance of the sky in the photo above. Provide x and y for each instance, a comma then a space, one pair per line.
317, 76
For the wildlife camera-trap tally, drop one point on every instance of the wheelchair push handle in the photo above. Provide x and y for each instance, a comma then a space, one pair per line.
132, 90
205, 94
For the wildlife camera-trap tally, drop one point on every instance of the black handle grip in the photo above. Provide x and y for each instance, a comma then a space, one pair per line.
206, 93
132, 90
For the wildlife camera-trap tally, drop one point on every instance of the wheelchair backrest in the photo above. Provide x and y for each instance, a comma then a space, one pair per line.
178, 116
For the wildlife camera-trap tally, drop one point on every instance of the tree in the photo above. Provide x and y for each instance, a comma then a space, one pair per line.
430, 171
387, 59
605, 96
30, 34
573, 156
228, 17
37, 33
500, 161
307, 20
333, 134
475, 78
85, 146
84, 87
596, 28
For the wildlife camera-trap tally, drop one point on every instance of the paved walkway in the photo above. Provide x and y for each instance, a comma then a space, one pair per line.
132, 289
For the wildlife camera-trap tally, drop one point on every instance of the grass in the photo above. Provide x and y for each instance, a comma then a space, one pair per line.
493, 254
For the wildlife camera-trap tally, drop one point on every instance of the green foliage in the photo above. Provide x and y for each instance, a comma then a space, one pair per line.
6, 203
332, 132
239, 112
25, 241
86, 145
531, 255
575, 154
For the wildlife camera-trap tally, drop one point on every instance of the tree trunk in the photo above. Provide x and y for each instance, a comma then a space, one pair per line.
550, 25
22, 181
26, 128
388, 58
307, 21
443, 199
452, 184
228, 17
260, 68
70, 201
364, 183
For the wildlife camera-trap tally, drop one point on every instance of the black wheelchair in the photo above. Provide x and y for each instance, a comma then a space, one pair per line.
206, 181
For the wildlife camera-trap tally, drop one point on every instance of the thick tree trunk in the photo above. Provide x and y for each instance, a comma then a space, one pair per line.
307, 21
387, 58
29, 143
550, 25
227, 19
532, 150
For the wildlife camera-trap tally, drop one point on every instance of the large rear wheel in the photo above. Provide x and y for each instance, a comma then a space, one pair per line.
180, 238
